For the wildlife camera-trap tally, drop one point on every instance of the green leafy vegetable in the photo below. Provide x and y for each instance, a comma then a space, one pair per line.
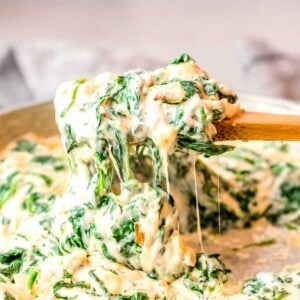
10, 256
244, 197
30, 202
47, 179
181, 59
81, 80
100, 282
262, 243
32, 277
124, 89
8, 296
135, 296
25, 146
92, 231
270, 287
70, 139
67, 283
13, 260
36, 203
152, 274
44, 159
210, 87
8, 188
73, 96
216, 115
108, 201
130, 249
5, 221
190, 88
106, 253
125, 232
192, 284
277, 168
77, 238
292, 194
57, 163
126, 228
207, 149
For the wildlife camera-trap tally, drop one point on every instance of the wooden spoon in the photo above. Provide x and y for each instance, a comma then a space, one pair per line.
259, 126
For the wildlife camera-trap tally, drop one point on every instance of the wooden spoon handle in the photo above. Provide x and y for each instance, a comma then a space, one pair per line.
259, 126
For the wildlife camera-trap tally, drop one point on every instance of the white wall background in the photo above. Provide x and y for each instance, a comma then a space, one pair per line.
208, 30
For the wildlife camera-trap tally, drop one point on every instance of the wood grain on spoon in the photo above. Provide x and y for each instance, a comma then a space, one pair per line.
259, 126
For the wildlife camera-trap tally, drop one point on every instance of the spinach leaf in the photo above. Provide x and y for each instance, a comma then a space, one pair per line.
289, 197
8, 296
13, 260
152, 274
70, 141
32, 277
190, 88
73, 96
129, 93
156, 162
47, 179
112, 89
291, 192
271, 287
81, 80
68, 283
44, 159
37, 203
216, 115
100, 282
25, 146
124, 230
135, 296
92, 231
210, 87
106, 200
57, 163
77, 238
101, 182
192, 284
119, 149
208, 267
10, 256
8, 188
106, 253
244, 197
5, 221
35, 256
182, 58
207, 149
130, 249
266, 242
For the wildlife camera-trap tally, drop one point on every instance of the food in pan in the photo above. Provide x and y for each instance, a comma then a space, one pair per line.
105, 219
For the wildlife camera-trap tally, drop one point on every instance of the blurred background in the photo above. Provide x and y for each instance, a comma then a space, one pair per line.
252, 46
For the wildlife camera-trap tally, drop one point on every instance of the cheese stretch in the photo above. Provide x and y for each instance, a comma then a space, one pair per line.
106, 222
